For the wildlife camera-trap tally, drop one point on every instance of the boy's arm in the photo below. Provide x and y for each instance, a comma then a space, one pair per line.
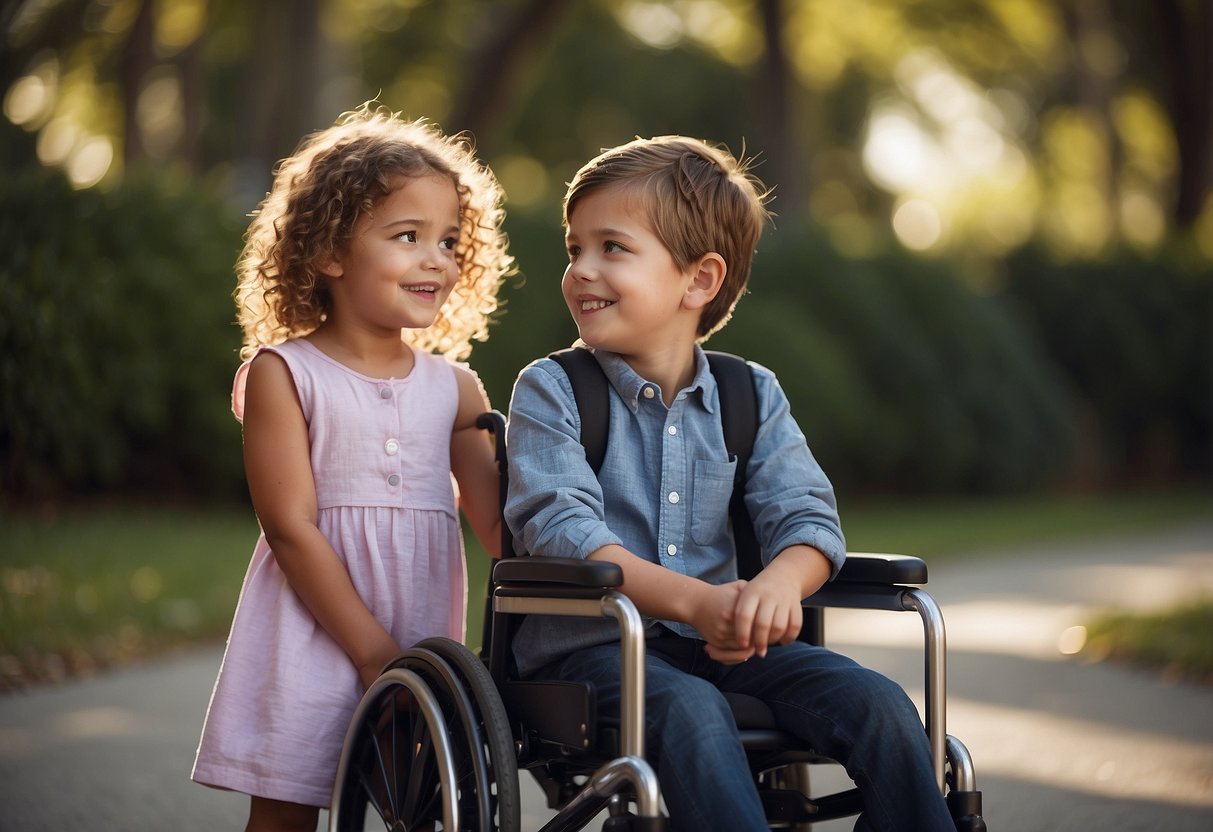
795, 518
664, 594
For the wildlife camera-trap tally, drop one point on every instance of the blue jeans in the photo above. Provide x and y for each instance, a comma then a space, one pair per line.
840, 709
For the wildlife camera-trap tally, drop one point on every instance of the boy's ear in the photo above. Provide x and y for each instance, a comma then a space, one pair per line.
707, 276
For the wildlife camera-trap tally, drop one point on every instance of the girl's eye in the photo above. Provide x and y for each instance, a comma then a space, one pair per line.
407, 236
449, 243
573, 252
610, 247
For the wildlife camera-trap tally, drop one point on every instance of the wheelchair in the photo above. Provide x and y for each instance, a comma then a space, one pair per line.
439, 739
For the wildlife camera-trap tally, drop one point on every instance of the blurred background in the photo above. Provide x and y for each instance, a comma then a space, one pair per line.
991, 272
990, 268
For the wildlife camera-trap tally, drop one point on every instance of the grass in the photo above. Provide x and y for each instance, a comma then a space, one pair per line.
1179, 642
89, 588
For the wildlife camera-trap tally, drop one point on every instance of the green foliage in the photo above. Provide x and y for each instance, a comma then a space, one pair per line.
91, 588
903, 378
1176, 640
1133, 339
116, 343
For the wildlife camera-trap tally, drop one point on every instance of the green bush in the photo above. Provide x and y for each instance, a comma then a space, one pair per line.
116, 342
1132, 337
903, 378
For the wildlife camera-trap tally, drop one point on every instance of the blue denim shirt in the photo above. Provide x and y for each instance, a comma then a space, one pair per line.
663, 489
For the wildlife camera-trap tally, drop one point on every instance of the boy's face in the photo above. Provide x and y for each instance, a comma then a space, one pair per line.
624, 290
399, 267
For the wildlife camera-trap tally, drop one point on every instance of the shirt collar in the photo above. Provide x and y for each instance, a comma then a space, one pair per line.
630, 385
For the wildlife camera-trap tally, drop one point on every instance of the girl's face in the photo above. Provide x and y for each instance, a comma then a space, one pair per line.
399, 267
622, 286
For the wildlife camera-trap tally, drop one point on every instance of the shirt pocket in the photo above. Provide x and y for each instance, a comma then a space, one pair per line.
711, 489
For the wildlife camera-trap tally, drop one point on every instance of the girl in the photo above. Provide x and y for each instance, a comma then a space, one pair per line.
367, 270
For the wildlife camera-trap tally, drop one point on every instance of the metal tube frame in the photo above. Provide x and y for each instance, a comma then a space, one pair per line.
935, 674
630, 766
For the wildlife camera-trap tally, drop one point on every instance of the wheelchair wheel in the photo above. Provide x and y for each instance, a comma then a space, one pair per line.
497, 741
397, 769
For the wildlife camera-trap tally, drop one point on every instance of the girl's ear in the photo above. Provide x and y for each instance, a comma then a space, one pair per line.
707, 276
329, 265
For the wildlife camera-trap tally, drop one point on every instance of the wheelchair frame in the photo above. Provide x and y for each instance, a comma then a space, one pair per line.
468, 727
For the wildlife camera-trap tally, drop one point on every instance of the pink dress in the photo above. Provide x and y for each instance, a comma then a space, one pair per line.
380, 451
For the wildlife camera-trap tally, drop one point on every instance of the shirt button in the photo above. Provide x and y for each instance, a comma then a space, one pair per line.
391, 446
671, 549
648, 393
385, 392
393, 480
672, 431
673, 496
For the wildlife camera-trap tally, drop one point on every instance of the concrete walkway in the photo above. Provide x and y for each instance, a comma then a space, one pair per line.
1059, 743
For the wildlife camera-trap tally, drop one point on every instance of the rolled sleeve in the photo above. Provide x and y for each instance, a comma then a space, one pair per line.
555, 505
789, 497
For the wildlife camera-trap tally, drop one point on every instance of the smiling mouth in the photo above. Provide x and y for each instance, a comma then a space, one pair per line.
595, 305
422, 289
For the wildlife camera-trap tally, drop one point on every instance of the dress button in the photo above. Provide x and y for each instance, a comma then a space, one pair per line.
672, 431
391, 446
648, 393
671, 549
385, 392
673, 496
393, 480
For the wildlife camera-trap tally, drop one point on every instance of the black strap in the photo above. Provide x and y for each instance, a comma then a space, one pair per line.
738, 416
592, 397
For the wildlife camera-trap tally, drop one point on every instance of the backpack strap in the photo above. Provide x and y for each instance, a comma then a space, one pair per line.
592, 396
738, 416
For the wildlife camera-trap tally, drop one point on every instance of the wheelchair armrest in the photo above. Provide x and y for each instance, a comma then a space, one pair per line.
564, 571
871, 568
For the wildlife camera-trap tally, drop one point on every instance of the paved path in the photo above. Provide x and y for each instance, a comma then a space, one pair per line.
1059, 744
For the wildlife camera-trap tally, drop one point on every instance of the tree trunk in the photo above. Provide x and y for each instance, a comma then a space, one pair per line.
137, 58
1187, 55
498, 64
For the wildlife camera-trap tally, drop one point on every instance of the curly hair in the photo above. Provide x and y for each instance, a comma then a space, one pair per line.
699, 198
319, 193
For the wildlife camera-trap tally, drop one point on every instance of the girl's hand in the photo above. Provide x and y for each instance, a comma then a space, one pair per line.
370, 668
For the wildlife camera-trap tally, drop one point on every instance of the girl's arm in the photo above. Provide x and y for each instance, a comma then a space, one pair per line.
278, 467
474, 465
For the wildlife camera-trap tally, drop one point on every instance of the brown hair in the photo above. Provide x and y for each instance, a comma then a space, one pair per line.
699, 199
321, 190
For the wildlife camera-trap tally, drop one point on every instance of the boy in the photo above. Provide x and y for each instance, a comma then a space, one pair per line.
660, 234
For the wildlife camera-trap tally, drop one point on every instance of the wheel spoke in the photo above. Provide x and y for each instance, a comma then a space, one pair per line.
388, 796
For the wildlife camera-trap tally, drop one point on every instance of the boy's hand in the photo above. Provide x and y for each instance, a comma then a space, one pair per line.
768, 612
768, 609
713, 619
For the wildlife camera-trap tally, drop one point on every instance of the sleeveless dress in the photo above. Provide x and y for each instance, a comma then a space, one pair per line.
380, 453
